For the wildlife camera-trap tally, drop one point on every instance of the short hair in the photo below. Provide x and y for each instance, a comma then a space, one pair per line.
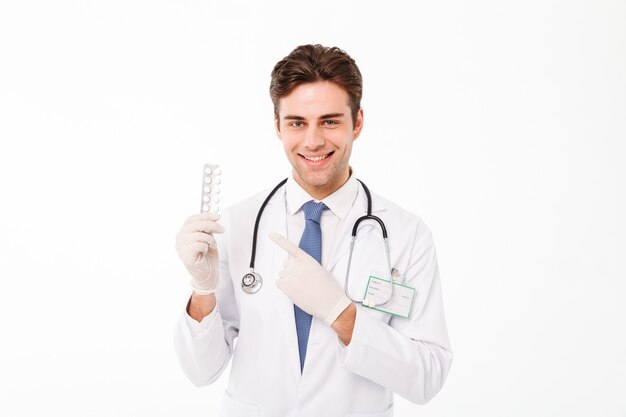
312, 63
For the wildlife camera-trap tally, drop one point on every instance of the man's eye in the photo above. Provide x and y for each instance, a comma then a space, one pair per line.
296, 124
329, 122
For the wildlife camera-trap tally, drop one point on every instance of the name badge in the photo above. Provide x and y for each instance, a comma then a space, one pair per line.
378, 291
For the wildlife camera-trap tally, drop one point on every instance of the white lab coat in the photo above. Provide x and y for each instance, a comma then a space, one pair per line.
410, 357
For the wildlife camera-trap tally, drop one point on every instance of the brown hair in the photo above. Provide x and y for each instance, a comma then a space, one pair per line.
311, 63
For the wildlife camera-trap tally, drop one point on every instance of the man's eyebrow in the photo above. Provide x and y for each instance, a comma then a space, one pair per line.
324, 116
331, 115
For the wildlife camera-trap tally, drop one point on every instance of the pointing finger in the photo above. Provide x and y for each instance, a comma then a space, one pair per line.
287, 245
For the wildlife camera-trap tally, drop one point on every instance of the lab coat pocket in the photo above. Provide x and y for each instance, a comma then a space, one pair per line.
234, 408
387, 413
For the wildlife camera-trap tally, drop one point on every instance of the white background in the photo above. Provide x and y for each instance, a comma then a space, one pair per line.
502, 124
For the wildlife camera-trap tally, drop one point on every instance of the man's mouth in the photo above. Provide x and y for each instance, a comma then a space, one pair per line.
316, 158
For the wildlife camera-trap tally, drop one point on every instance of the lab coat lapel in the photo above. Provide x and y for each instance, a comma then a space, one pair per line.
341, 245
275, 220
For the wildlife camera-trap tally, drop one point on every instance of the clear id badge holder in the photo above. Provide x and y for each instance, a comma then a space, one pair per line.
379, 296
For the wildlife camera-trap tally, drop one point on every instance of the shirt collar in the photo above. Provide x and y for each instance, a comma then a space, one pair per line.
338, 202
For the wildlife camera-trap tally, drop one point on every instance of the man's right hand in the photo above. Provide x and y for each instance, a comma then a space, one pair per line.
197, 249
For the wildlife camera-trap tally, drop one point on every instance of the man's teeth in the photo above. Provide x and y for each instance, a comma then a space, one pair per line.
316, 158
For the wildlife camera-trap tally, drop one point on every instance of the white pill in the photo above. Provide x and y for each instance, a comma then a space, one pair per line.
208, 171
207, 189
207, 180
216, 190
205, 207
216, 200
218, 171
206, 198
218, 181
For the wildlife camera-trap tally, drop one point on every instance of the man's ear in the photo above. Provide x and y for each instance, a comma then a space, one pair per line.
358, 126
277, 127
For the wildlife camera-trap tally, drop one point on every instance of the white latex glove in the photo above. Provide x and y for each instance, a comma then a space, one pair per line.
308, 284
197, 249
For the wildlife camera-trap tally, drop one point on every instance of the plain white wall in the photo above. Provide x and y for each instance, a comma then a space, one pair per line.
502, 124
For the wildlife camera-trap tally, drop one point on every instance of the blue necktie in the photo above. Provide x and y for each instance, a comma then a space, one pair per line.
311, 243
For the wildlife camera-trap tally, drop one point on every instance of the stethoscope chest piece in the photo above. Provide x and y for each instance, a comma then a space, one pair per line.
251, 282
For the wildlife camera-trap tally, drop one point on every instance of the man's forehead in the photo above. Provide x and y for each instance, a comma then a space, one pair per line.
315, 100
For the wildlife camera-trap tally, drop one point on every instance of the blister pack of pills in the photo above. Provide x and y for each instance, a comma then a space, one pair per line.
211, 181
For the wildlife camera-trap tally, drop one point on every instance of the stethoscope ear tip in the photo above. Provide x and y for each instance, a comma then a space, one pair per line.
368, 302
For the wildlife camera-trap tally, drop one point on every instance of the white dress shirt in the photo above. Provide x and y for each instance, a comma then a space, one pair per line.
338, 203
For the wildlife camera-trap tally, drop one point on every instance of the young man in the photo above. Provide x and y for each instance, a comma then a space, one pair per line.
306, 344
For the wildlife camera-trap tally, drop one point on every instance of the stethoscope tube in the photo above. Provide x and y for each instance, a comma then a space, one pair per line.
252, 282
369, 216
258, 220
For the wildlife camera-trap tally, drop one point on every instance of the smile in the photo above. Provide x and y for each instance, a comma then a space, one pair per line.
316, 158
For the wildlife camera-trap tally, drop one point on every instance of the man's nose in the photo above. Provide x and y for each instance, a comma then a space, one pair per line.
313, 138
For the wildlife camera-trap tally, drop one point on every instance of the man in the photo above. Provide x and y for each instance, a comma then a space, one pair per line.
304, 347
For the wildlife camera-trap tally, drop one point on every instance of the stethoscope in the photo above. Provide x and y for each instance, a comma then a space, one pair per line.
252, 281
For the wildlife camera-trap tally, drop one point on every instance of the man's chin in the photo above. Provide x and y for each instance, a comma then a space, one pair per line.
318, 181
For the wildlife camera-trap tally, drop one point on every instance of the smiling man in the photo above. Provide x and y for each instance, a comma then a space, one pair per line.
315, 124
331, 321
